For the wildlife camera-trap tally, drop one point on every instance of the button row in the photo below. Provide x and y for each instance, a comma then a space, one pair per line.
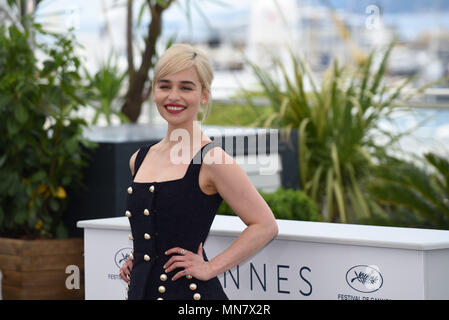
130, 189
192, 286
129, 215
145, 257
146, 236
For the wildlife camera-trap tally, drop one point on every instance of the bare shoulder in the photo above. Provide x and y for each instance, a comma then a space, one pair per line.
217, 156
132, 160
221, 166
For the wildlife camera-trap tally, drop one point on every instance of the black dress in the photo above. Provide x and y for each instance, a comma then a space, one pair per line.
164, 215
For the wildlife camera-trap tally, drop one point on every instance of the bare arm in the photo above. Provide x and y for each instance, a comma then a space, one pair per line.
240, 194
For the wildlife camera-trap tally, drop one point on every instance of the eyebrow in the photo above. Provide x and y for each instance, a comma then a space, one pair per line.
183, 82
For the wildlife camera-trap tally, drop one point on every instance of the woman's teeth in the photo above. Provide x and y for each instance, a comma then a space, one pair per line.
175, 108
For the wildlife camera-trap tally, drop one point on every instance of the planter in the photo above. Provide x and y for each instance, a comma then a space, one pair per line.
36, 269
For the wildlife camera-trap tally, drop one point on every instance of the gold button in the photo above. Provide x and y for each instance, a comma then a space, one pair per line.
197, 296
131, 257
163, 277
130, 237
189, 276
128, 213
130, 190
146, 212
146, 257
151, 188
147, 236
161, 289
192, 286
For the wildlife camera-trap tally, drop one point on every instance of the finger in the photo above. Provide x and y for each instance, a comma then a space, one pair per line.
127, 267
123, 276
200, 250
176, 250
176, 265
180, 274
173, 260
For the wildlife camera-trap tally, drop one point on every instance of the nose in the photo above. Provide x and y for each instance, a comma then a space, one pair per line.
173, 95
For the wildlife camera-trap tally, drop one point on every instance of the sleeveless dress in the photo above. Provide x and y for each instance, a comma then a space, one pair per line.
164, 215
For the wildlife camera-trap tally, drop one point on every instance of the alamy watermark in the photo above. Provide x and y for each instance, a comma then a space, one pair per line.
73, 280
257, 139
372, 21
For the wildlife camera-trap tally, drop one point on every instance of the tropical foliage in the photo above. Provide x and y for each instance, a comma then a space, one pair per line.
103, 92
340, 138
41, 146
417, 194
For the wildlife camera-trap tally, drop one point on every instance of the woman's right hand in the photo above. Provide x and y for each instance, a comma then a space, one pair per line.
125, 270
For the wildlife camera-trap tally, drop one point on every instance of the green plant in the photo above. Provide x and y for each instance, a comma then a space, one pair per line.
104, 90
41, 144
411, 194
337, 126
286, 204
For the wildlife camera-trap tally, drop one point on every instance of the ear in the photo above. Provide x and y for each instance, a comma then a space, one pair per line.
205, 97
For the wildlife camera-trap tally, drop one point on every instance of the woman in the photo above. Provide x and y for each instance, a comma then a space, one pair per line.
171, 206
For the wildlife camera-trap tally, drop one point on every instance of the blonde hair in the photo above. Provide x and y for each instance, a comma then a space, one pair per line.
182, 56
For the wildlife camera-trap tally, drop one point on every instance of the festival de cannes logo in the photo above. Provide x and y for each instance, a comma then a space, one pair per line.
363, 278
121, 256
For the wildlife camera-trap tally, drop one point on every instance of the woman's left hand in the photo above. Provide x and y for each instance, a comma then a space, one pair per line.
192, 263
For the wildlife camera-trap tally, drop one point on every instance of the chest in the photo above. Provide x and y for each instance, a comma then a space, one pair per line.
166, 168
162, 168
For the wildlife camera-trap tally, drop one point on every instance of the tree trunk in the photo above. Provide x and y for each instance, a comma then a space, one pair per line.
137, 80
129, 39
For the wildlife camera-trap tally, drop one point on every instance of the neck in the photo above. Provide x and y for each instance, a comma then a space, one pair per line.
188, 134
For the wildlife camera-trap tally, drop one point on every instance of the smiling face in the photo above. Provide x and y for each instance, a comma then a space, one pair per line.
178, 96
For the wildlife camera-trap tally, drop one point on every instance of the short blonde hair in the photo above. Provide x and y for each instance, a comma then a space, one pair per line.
182, 56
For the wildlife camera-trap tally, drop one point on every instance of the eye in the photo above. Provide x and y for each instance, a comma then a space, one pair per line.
163, 87
186, 88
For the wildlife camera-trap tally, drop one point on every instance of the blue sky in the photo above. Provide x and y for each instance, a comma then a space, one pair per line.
90, 15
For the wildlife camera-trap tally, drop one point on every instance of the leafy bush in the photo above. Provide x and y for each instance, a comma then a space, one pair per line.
285, 204
41, 144
411, 196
